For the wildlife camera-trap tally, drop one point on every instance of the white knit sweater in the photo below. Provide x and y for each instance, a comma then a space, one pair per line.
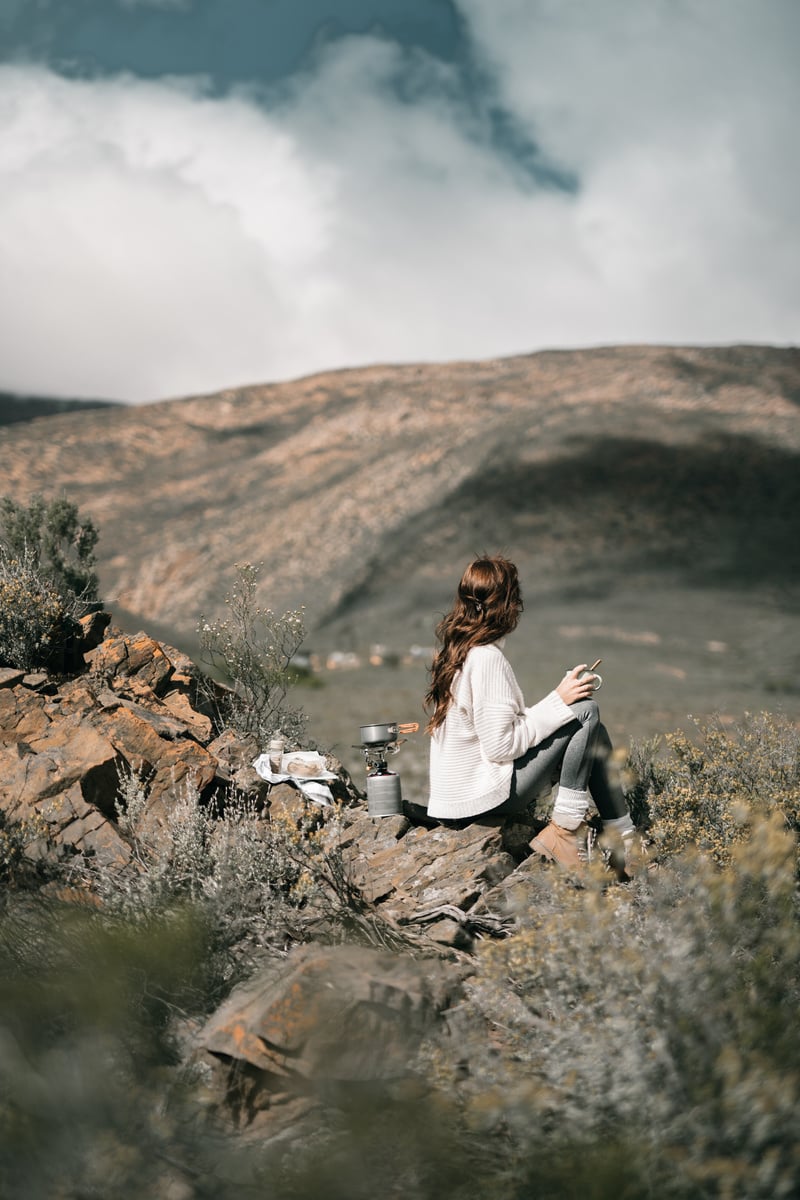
487, 726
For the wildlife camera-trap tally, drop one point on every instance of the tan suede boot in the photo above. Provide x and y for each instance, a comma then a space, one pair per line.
567, 847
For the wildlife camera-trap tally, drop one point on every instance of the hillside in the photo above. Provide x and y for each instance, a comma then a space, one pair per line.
622, 480
15, 408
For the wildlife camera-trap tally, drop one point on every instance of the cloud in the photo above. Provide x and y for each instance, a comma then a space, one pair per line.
184, 4
157, 240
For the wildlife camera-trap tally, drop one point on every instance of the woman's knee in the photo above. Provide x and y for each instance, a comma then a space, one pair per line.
586, 711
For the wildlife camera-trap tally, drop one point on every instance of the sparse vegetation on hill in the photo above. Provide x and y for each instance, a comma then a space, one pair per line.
582, 463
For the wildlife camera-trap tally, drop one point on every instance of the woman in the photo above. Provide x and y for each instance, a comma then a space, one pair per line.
490, 754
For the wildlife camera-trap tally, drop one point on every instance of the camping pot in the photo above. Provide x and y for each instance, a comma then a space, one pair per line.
385, 733
377, 735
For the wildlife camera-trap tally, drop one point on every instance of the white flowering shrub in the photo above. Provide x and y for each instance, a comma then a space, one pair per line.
33, 619
251, 649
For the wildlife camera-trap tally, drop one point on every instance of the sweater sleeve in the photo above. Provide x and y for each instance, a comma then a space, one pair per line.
546, 717
505, 728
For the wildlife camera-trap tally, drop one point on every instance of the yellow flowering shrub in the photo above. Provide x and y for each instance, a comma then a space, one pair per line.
709, 789
17, 839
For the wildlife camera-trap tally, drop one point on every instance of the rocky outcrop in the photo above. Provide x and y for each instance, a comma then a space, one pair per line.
64, 743
137, 707
345, 1015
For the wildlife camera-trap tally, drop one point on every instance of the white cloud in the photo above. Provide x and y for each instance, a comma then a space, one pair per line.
157, 241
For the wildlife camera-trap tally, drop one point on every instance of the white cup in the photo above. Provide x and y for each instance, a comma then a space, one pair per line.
597, 680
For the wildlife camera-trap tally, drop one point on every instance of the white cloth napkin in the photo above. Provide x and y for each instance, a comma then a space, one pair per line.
310, 785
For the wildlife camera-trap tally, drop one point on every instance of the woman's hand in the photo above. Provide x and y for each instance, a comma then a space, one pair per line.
572, 688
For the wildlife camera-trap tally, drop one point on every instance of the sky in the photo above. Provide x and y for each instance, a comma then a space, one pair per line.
203, 194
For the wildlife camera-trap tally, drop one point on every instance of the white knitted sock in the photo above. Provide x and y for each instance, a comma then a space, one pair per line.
622, 825
570, 807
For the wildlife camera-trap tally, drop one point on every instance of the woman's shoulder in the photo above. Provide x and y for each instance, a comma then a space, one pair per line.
485, 654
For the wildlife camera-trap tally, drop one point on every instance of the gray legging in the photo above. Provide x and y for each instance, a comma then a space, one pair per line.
576, 755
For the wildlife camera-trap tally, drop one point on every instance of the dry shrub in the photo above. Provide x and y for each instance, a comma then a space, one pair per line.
21, 864
707, 791
34, 620
251, 649
655, 1022
46, 579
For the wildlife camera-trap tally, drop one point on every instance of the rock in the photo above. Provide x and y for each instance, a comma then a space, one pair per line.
93, 629
406, 870
22, 714
10, 676
288, 805
235, 757
49, 762
63, 743
83, 828
165, 763
332, 1013
122, 657
180, 706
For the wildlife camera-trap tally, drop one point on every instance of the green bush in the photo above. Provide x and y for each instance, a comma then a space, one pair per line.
55, 539
46, 580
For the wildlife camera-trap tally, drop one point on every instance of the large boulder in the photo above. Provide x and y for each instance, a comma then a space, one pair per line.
326, 1022
346, 1013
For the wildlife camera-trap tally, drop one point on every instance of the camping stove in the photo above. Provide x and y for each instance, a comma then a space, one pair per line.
384, 793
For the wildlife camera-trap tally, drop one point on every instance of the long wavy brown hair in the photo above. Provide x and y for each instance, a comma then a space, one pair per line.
487, 606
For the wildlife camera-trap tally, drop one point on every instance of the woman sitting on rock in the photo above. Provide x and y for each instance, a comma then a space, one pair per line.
492, 755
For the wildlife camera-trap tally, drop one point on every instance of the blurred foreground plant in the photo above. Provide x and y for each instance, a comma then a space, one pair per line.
654, 1024
226, 859
260, 881
252, 649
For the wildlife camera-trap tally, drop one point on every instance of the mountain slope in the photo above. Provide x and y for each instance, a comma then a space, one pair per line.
363, 492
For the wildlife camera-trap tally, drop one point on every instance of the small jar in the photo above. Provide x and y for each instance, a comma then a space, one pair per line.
275, 750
